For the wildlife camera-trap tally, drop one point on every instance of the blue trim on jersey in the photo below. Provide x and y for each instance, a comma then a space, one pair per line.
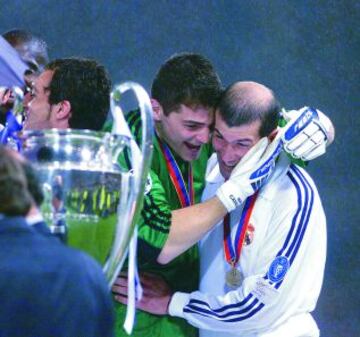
304, 212
237, 314
307, 216
248, 307
194, 303
302, 187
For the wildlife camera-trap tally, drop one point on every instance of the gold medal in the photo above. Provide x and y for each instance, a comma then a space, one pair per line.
233, 278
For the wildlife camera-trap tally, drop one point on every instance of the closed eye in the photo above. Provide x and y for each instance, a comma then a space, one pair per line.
193, 126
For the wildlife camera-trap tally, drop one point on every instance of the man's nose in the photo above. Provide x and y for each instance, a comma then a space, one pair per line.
203, 136
228, 155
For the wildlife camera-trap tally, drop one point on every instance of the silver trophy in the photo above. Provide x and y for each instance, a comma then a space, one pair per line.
93, 182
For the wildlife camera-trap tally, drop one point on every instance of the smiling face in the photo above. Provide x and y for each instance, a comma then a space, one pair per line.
232, 143
39, 110
185, 130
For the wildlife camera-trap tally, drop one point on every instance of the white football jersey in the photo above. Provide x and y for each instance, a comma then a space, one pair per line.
281, 264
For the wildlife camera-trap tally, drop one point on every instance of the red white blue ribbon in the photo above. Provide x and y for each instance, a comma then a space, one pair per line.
233, 250
185, 195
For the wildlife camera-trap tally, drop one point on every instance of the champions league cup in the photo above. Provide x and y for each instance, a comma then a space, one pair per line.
93, 182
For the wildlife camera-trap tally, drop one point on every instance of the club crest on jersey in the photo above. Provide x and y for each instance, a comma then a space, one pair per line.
278, 269
249, 235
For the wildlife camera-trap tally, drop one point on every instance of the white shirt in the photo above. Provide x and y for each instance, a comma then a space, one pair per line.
288, 247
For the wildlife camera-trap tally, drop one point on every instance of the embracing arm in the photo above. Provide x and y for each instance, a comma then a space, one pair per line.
306, 135
189, 225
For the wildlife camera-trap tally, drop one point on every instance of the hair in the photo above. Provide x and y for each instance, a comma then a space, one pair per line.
188, 79
15, 199
31, 48
33, 183
246, 102
86, 85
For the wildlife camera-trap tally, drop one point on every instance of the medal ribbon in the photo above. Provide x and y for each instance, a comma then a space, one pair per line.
186, 196
232, 252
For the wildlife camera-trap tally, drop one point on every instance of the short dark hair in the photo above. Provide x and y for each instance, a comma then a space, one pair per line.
86, 85
237, 106
33, 183
188, 79
31, 48
15, 199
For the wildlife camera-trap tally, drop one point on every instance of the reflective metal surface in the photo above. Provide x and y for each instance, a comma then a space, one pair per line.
92, 193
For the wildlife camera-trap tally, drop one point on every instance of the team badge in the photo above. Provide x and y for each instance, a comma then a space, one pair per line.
278, 269
249, 235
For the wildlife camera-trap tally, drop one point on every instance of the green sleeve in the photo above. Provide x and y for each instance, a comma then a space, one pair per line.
154, 222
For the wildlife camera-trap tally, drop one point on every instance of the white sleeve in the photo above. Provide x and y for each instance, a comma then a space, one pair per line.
243, 309
283, 280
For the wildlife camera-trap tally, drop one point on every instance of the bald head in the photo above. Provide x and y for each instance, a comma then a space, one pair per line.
32, 49
246, 102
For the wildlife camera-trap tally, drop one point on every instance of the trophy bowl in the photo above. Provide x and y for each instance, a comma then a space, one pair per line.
92, 195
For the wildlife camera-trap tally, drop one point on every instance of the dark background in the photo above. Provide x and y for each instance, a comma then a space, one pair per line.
306, 51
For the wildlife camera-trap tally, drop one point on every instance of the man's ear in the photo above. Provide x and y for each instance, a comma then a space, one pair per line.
63, 110
157, 110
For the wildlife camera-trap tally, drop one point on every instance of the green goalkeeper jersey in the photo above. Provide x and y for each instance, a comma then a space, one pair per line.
153, 229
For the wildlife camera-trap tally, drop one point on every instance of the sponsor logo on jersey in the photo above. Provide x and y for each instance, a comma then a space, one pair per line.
278, 269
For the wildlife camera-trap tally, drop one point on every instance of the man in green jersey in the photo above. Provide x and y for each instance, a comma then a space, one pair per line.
184, 94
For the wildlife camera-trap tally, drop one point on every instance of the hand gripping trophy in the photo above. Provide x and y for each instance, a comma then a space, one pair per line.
94, 181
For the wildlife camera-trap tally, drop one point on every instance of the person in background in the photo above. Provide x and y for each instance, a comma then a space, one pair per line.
46, 288
69, 93
23, 57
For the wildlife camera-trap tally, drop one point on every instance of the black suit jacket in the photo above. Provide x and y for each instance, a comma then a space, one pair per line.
48, 289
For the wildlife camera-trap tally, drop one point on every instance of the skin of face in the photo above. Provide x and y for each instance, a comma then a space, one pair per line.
39, 113
232, 143
185, 130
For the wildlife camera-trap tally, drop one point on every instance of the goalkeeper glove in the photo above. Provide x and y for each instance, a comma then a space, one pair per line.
250, 173
307, 133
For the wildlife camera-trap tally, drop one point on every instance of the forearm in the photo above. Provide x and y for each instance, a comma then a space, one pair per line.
189, 225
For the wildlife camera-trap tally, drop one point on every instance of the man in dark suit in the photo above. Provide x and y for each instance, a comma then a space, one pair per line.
46, 288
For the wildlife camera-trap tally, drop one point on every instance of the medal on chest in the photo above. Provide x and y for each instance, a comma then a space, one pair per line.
185, 193
233, 278
232, 249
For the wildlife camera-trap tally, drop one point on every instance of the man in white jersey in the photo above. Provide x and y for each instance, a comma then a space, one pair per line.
261, 270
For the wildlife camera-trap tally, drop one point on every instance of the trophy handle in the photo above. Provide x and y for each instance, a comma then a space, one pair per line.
133, 192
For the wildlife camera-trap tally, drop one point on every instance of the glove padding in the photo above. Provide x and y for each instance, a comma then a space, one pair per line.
307, 133
250, 173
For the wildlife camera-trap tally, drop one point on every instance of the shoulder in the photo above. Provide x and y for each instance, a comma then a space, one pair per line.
294, 189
